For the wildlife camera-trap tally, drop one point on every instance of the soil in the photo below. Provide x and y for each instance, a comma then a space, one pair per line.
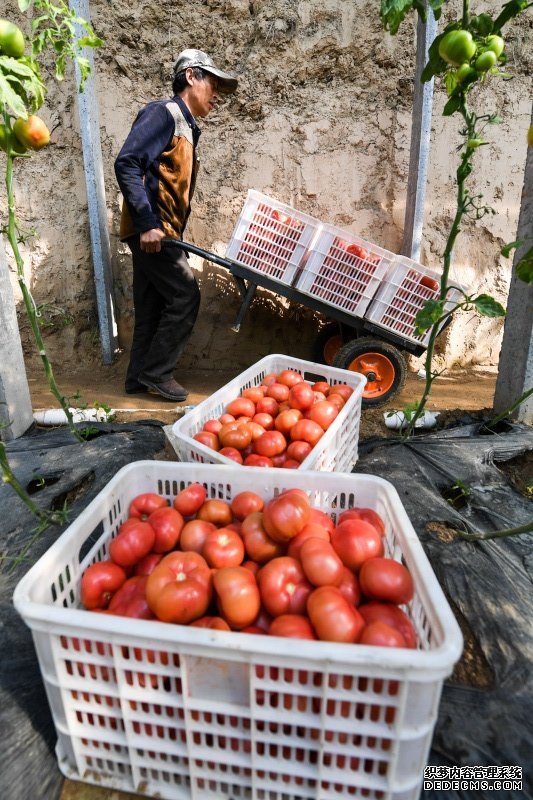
454, 394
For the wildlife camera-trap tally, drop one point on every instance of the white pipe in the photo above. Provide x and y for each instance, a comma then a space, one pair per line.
56, 416
396, 420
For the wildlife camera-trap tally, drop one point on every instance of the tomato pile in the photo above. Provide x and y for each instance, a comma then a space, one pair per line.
277, 423
278, 567
270, 239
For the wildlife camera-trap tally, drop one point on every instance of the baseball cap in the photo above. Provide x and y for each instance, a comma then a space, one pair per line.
197, 58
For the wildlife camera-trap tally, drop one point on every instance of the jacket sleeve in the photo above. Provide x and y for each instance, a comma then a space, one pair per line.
149, 136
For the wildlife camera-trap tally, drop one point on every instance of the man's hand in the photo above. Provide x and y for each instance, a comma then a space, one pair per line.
151, 240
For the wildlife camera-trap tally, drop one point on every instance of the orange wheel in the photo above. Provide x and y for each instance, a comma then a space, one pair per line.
382, 365
328, 343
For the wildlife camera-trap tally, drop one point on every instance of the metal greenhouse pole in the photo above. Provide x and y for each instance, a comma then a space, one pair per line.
94, 181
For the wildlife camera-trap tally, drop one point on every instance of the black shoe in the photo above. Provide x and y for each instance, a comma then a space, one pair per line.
170, 390
135, 388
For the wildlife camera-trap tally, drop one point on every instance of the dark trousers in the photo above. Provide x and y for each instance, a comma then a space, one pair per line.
166, 300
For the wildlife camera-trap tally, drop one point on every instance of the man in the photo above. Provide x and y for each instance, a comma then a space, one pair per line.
156, 171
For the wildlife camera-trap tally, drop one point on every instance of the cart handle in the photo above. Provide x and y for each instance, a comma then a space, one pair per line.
199, 251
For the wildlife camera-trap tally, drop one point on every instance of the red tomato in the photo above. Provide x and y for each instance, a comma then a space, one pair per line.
349, 587
225, 418
179, 588
289, 377
255, 629
290, 463
253, 393
279, 461
366, 514
263, 620
269, 379
257, 430
190, 499
320, 562
245, 503
231, 452
287, 420
319, 397
307, 430
271, 443
237, 596
311, 530
284, 587
254, 460
286, 515
355, 541
194, 534
135, 539
358, 251
294, 626
318, 517
333, 617
223, 547
130, 599
235, 435
241, 407
298, 450
253, 566
391, 615
382, 635
343, 389
167, 524
265, 420
207, 439
143, 505
321, 386
147, 564
386, 579
258, 544
324, 413
280, 216
278, 391
99, 583
213, 623
429, 283
267, 406
212, 426
216, 511
336, 399
301, 396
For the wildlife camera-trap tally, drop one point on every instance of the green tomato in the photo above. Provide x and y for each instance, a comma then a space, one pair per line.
495, 44
465, 74
11, 39
456, 47
486, 61
16, 147
473, 144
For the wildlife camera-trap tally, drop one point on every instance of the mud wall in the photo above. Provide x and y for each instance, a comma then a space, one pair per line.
321, 121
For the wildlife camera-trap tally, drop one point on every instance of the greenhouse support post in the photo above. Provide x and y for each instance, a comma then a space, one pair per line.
94, 181
420, 135
515, 370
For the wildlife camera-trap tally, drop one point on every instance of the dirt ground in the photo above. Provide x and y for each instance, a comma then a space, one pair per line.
455, 392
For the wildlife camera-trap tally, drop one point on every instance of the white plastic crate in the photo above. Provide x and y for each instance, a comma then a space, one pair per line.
335, 451
403, 293
185, 713
271, 237
344, 270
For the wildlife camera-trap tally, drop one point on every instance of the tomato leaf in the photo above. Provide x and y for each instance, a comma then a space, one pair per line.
429, 314
524, 268
436, 65
393, 12
509, 11
453, 105
482, 24
10, 99
487, 306
506, 249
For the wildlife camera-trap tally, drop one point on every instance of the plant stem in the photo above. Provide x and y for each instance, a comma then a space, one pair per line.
509, 411
527, 528
9, 477
463, 171
466, 13
28, 300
